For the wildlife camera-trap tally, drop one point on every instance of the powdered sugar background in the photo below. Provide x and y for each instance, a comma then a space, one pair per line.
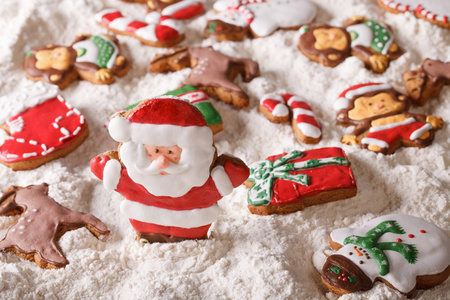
246, 256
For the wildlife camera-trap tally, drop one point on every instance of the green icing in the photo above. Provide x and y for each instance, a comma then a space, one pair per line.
211, 115
352, 279
335, 270
105, 51
181, 90
30, 53
212, 27
381, 35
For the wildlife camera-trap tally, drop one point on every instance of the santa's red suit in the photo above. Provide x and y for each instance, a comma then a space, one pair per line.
178, 209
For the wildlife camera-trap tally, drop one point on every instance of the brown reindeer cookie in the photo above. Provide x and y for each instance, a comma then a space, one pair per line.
42, 222
212, 72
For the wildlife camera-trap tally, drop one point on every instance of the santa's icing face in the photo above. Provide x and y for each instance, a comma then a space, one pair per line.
397, 249
167, 159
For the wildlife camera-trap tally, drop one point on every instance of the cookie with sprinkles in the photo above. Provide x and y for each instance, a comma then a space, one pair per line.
436, 12
38, 126
405, 252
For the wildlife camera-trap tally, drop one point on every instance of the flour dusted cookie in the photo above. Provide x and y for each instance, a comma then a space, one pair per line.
289, 182
234, 19
95, 58
427, 81
369, 40
381, 119
212, 72
201, 101
42, 222
279, 108
405, 252
160, 32
436, 12
168, 170
39, 126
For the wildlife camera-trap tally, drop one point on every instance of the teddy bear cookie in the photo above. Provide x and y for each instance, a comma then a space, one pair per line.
38, 125
369, 40
289, 182
95, 58
167, 169
237, 18
212, 72
281, 107
155, 32
427, 81
42, 222
405, 252
436, 12
381, 119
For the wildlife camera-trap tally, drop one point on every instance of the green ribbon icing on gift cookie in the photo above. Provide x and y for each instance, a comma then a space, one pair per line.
371, 245
264, 173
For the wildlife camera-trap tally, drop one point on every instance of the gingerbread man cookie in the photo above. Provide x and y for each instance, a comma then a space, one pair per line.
405, 252
40, 126
436, 12
276, 107
212, 72
289, 182
236, 18
427, 81
371, 41
168, 170
95, 58
42, 222
381, 119
159, 32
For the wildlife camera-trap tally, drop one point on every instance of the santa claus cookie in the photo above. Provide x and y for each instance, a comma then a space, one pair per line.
168, 170
381, 119
369, 40
279, 108
157, 32
405, 252
289, 182
236, 18
212, 72
42, 222
427, 81
95, 58
38, 126
437, 11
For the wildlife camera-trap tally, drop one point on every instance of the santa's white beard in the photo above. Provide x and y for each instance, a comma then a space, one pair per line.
192, 170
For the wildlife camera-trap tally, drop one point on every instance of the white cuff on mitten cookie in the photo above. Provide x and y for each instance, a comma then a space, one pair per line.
222, 181
111, 174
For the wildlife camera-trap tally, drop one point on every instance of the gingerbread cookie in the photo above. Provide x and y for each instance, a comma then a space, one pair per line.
201, 101
212, 72
161, 32
40, 126
371, 41
260, 18
276, 107
405, 252
168, 170
289, 182
95, 58
43, 221
427, 81
381, 119
176, 9
436, 12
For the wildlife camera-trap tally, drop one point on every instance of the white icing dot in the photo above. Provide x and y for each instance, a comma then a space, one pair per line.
377, 40
380, 45
369, 23
26, 212
21, 232
377, 26
21, 219
35, 210
29, 220
13, 230
385, 38
22, 227
384, 30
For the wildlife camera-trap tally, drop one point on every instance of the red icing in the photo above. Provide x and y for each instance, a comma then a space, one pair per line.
108, 18
300, 104
422, 231
191, 233
356, 87
286, 97
237, 173
98, 164
321, 179
38, 132
189, 12
392, 135
307, 119
399, 240
410, 236
135, 25
270, 104
165, 33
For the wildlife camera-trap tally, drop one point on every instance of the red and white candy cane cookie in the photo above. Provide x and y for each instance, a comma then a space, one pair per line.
436, 11
177, 9
164, 32
276, 107
46, 128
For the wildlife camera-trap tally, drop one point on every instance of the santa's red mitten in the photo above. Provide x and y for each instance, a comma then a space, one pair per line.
229, 173
237, 171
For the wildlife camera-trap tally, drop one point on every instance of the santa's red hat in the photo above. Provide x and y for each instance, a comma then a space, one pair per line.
360, 89
162, 121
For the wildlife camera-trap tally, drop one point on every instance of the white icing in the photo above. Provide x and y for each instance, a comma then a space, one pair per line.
433, 247
417, 133
437, 7
111, 174
120, 23
147, 33
98, 16
309, 130
173, 8
376, 142
366, 89
174, 24
392, 125
233, 17
365, 35
280, 110
153, 17
92, 51
301, 111
167, 217
341, 103
222, 181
